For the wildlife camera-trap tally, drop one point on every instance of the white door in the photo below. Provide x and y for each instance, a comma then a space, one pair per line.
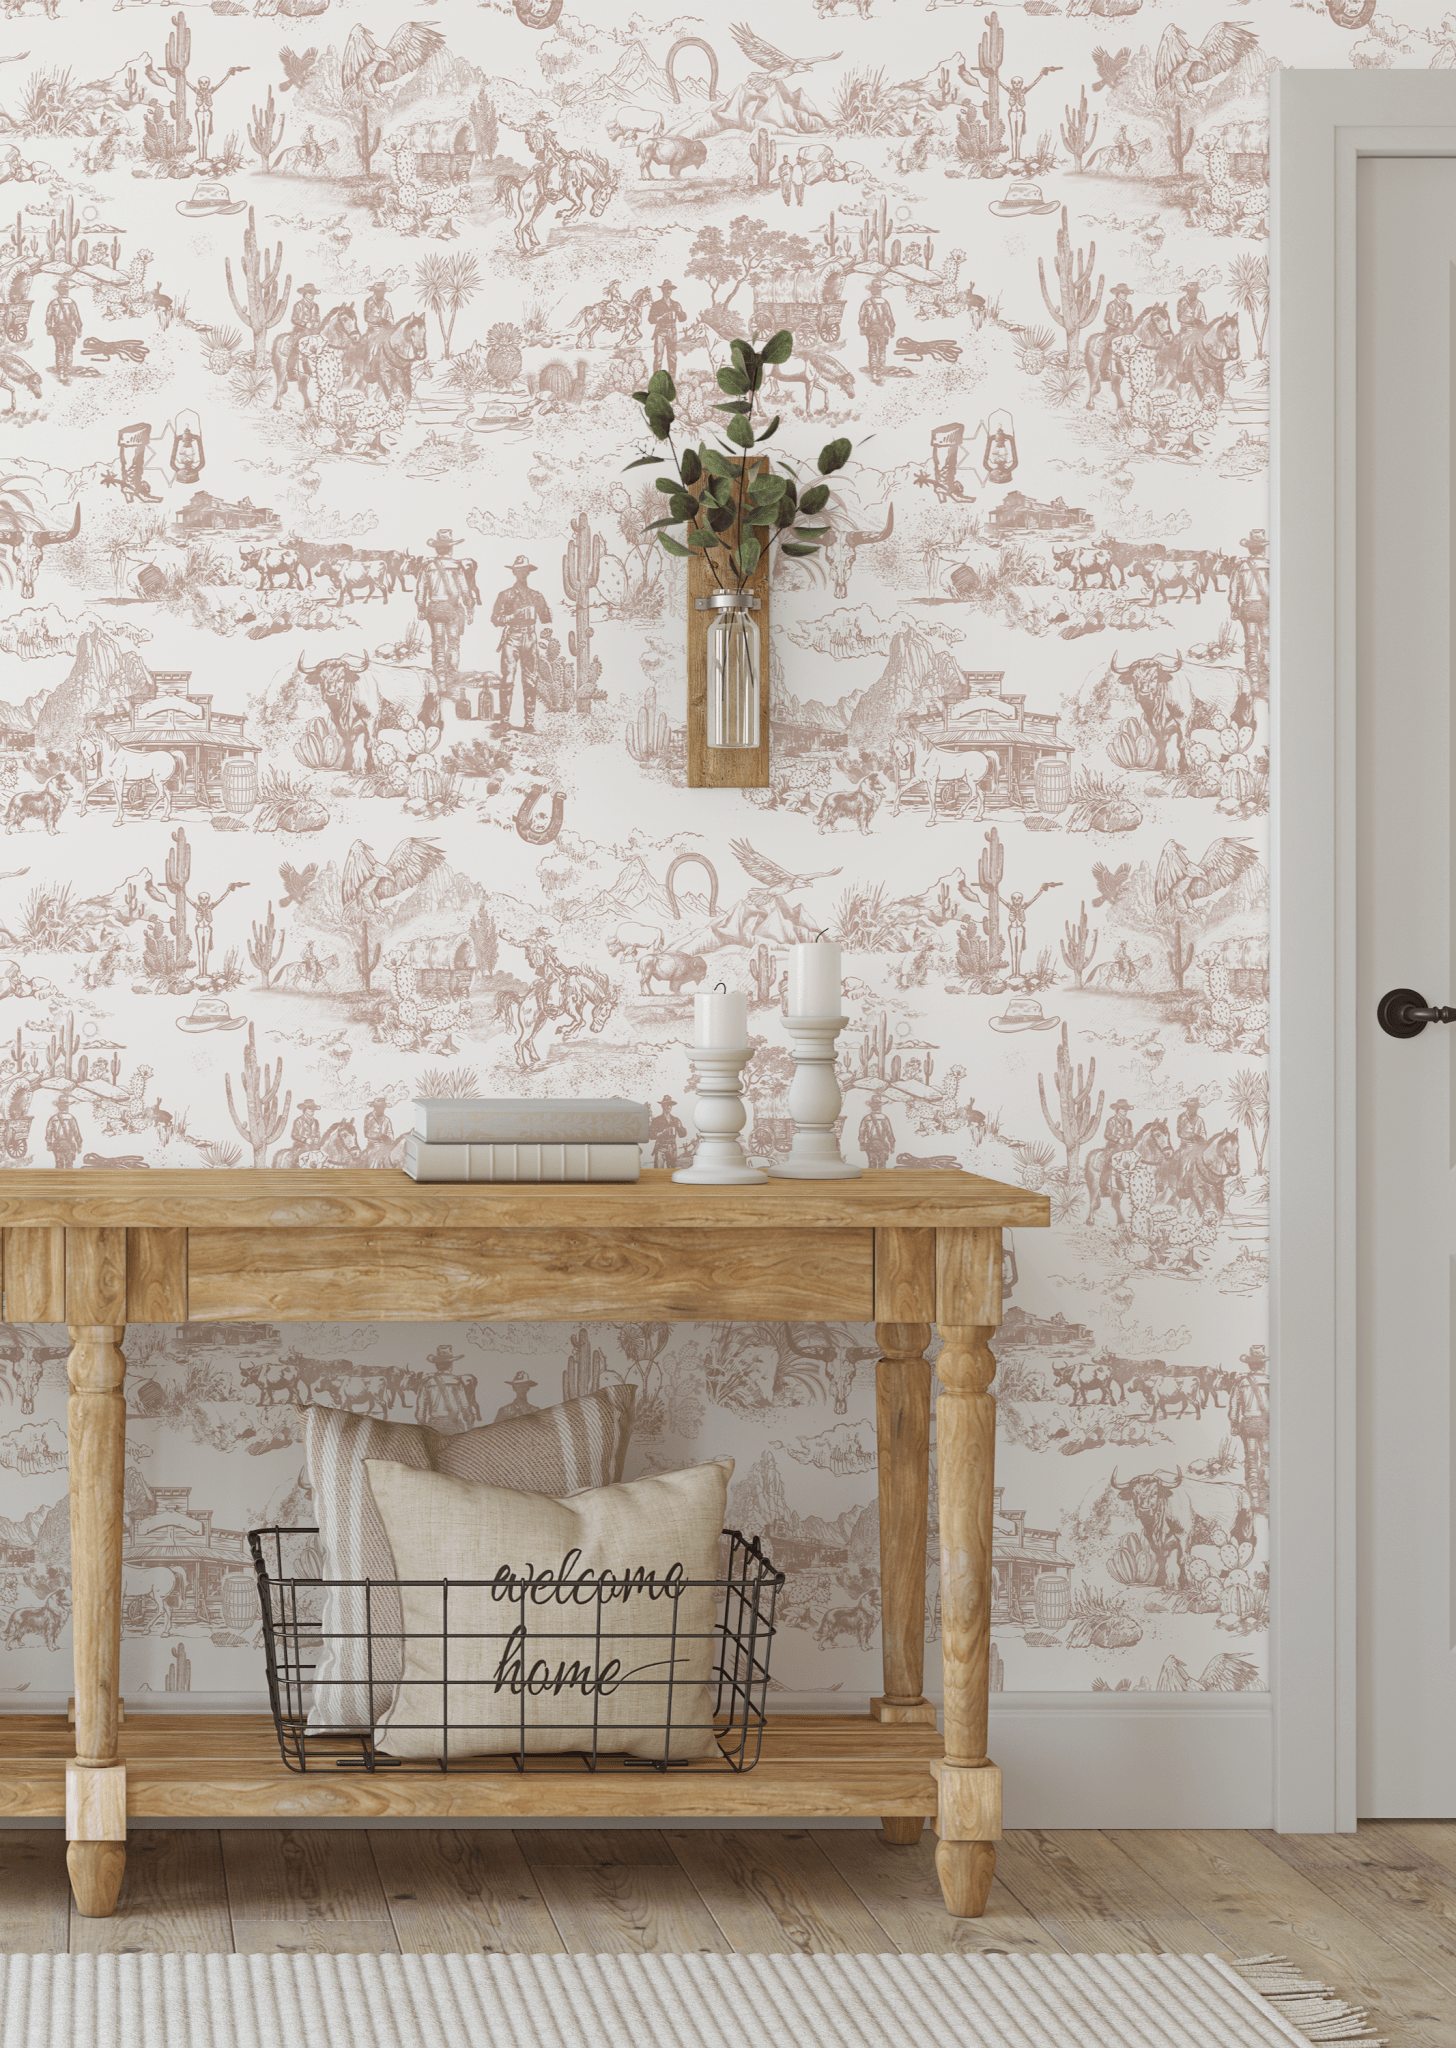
1406, 360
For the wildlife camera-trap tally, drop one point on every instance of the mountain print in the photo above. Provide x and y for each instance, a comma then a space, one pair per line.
342, 724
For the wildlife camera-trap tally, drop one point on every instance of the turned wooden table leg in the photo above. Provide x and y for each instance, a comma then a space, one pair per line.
904, 1302
968, 1309
96, 1431
902, 1416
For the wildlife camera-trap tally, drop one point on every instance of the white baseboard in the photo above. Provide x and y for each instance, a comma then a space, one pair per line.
1134, 1760
1068, 1759
1118, 1759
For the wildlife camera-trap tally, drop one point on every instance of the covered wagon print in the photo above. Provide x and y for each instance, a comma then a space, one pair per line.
342, 742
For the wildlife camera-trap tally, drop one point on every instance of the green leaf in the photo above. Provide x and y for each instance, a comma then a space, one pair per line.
834, 456
640, 396
717, 465
667, 485
790, 547
673, 547
779, 347
690, 467
660, 385
661, 429
812, 532
721, 518
642, 462
656, 525
815, 500
731, 380
771, 429
786, 514
766, 490
740, 433
750, 363
698, 538
682, 506
749, 552
741, 405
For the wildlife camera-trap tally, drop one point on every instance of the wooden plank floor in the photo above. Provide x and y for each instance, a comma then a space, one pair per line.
1373, 1914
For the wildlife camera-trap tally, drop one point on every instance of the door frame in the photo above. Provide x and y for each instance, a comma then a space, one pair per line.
1322, 123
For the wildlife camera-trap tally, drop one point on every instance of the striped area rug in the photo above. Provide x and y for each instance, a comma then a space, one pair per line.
672, 2001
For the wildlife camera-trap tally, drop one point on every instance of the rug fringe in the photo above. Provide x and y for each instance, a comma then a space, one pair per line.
1316, 2009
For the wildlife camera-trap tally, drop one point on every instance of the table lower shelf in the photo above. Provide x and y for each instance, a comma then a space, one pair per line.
227, 1766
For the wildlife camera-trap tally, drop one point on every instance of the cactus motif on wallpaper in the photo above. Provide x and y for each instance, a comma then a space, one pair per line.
279, 653
1076, 307
367, 140
581, 565
263, 303
763, 973
266, 1122
989, 872
265, 949
1076, 950
647, 735
175, 877
1079, 1120
265, 136
174, 64
989, 58
1079, 131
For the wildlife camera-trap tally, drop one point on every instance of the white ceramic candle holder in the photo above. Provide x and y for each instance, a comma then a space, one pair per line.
718, 1116
814, 1104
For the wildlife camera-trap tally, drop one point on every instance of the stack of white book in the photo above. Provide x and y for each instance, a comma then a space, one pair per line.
517, 1141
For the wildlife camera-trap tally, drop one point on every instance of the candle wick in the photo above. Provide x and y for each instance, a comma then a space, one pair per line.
721, 989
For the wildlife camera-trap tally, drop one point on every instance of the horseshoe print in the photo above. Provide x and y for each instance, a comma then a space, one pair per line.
535, 834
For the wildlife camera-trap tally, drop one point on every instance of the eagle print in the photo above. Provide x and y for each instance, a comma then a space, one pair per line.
343, 724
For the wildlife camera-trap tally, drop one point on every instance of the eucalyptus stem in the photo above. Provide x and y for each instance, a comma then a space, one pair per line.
705, 495
677, 465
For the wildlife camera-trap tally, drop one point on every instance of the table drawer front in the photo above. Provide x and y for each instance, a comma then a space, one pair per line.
532, 1275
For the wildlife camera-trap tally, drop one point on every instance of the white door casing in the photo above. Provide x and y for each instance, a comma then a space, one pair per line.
1324, 123
1405, 1669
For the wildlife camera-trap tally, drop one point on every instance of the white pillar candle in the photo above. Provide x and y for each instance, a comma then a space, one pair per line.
720, 1021
814, 975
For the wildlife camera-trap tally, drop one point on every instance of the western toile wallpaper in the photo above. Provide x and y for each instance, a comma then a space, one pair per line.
342, 749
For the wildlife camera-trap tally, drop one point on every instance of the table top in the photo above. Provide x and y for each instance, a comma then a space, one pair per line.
360, 1199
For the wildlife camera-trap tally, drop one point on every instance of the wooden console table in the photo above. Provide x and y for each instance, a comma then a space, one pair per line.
97, 1250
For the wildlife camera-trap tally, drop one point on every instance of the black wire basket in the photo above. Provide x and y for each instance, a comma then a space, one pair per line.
292, 1597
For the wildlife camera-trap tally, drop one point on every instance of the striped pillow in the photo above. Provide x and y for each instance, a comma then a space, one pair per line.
554, 1451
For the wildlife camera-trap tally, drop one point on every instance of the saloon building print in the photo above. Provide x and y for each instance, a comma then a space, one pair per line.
341, 723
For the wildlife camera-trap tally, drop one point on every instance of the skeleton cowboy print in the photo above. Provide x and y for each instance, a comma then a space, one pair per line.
342, 751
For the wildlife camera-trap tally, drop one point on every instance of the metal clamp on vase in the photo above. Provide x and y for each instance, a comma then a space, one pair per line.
720, 1053
815, 1100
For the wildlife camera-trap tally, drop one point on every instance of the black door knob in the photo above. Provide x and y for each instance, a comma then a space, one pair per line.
1405, 1014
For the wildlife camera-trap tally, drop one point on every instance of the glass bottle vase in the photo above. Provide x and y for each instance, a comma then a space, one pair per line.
732, 668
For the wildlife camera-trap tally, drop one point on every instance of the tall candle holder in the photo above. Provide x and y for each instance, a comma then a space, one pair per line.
814, 1103
718, 1117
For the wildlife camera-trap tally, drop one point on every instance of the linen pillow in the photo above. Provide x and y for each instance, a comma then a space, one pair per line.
667, 1526
553, 1451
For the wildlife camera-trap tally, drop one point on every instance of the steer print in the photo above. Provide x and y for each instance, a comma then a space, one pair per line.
343, 751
